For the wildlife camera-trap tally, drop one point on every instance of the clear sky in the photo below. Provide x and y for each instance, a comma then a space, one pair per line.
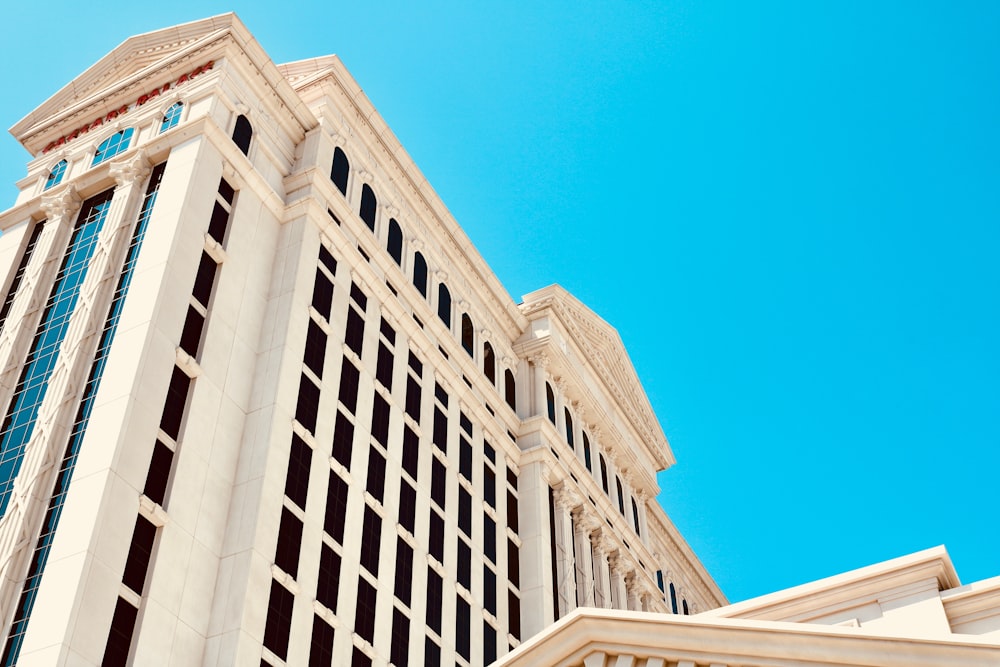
789, 210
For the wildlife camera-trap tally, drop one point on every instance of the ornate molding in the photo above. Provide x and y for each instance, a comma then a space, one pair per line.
61, 203
130, 170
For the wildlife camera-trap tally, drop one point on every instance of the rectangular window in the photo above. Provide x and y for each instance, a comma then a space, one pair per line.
278, 625
322, 295
349, 376
371, 540
308, 404
226, 190
411, 451
383, 370
191, 333
436, 539
400, 648
465, 423
220, 220
435, 599
139, 553
432, 653
464, 511
120, 636
376, 474
489, 452
512, 511
336, 507
364, 619
407, 505
415, 364
343, 439
315, 352
489, 643
380, 420
513, 563
462, 627
328, 581
513, 614
297, 478
413, 398
286, 554
204, 280
173, 407
327, 260
159, 473
404, 570
321, 646
359, 297
440, 394
354, 333
438, 478
440, 430
465, 458
359, 659
489, 538
388, 331
489, 590
463, 567
489, 486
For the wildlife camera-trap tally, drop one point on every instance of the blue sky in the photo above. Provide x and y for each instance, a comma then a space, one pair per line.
789, 211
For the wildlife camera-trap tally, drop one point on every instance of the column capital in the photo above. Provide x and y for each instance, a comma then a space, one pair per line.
540, 360
566, 498
61, 203
130, 170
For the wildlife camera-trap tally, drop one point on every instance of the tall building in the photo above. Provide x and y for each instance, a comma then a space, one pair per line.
264, 403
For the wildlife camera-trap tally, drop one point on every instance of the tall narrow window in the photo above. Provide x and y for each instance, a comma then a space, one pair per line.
621, 498
586, 452
242, 134
172, 116
420, 273
673, 597
635, 518
489, 363
444, 304
604, 473
550, 403
56, 175
394, 243
510, 389
112, 146
368, 205
15, 282
468, 334
341, 168
569, 428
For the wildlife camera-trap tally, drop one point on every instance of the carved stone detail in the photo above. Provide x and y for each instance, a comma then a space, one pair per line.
131, 170
61, 203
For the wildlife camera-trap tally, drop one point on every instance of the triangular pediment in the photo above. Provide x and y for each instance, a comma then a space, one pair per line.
602, 347
130, 60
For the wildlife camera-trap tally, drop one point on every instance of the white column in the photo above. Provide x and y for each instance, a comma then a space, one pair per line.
584, 524
536, 571
565, 502
619, 596
538, 364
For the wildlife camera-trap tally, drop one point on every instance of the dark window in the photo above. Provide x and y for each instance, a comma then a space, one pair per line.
359, 297
321, 646
218, 223
343, 440
279, 620
349, 376
29, 250
173, 407
513, 563
440, 394
512, 478
420, 273
569, 428
327, 260
328, 581
635, 517
435, 599
464, 511
315, 352
387, 331
604, 473
286, 554
404, 570
489, 363
376, 474
684, 607
297, 478
436, 539
513, 614
440, 430
432, 653
120, 636
400, 648
411, 451
510, 389
380, 419
139, 553
383, 369
364, 620
465, 422
673, 597
489, 452
242, 134
437, 482
489, 590
489, 486
341, 168
336, 507
322, 295
354, 334
621, 498
512, 511
371, 540
359, 659
489, 538
415, 364
368, 205
395, 241
468, 334
465, 458
413, 398
489, 643
550, 403
159, 473
191, 333
659, 580
226, 190
462, 628
308, 404
444, 304
407, 505
463, 565
586, 452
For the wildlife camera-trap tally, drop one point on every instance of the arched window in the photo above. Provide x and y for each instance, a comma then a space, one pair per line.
172, 116
468, 334
395, 242
635, 518
510, 389
56, 175
621, 498
684, 605
569, 428
420, 274
112, 146
341, 168
673, 597
604, 474
550, 402
444, 304
242, 134
489, 363
586, 451
368, 206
